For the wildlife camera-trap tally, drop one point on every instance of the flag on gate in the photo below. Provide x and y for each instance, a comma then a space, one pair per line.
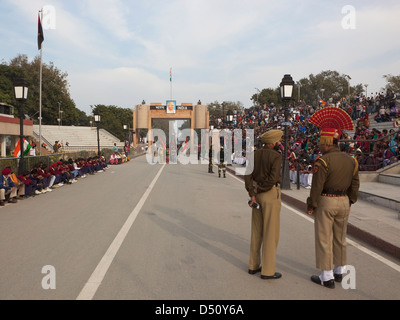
184, 145
163, 144
40, 33
17, 150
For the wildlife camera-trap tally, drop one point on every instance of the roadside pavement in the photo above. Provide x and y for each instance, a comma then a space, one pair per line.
373, 223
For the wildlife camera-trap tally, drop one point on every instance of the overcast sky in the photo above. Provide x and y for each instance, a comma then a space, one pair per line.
120, 52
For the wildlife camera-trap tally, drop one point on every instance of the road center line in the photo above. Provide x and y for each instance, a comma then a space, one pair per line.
351, 242
91, 286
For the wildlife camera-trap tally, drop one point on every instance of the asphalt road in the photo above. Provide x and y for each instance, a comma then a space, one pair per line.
163, 232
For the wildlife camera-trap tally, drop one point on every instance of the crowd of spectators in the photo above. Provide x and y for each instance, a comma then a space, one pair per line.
373, 148
41, 178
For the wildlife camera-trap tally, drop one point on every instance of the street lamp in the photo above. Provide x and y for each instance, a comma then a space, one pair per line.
286, 85
21, 95
229, 116
366, 90
125, 129
97, 120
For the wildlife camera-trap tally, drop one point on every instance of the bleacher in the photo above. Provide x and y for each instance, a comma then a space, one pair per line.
374, 125
78, 138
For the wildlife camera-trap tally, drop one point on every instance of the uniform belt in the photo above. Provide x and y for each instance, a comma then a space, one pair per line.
333, 193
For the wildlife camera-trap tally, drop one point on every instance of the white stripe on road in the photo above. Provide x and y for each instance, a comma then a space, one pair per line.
351, 242
91, 286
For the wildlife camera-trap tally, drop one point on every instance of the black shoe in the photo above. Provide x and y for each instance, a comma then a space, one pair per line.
329, 284
277, 275
254, 271
338, 277
12, 200
2, 203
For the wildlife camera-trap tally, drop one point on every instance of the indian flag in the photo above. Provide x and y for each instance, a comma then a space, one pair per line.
184, 146
17, 150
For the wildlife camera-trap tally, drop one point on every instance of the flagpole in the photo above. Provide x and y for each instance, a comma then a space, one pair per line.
40, 93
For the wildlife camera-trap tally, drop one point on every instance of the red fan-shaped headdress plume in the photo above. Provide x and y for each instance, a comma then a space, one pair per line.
332, 121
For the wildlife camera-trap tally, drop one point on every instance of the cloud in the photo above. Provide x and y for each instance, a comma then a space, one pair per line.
120, 52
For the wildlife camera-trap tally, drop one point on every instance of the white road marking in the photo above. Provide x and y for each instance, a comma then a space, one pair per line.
351, 242
91, 286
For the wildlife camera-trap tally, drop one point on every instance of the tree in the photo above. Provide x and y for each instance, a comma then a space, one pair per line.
266, 97
334, 85
393, 83
114, 118
55, 92
217, 108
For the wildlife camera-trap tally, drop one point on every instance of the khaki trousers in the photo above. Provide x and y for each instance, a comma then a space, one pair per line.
3, 193
265, 226
330, 226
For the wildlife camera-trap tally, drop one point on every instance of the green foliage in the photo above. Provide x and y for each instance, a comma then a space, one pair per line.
217, 108
114, 118
55, 93
55, 97
393, 83
334, 85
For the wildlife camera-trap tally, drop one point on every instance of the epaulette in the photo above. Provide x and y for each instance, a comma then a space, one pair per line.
323, 162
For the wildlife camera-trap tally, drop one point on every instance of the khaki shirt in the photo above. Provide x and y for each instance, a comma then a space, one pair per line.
266, 173
335, 170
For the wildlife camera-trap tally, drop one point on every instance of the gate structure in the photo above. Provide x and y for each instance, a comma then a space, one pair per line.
143, 115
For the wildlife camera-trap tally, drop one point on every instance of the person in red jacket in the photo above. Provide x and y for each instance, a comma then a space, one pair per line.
54, 170
29, 185
46, 174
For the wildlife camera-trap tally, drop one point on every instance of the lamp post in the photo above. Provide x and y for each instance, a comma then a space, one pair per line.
97, 120
21, 94
125, 129
286, 95
229, 117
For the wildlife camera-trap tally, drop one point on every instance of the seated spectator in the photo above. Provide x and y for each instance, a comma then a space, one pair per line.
60, 177
73, 169
113, 158
46, 174
38, 181
82, 168
7, 187
63, 167
394, 112
381, 116
20, 186
29, 188
119, 158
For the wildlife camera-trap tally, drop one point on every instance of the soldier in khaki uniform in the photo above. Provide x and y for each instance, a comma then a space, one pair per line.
263, 186
334, 189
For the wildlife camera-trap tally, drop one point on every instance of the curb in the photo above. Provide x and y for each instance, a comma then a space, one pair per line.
372, 240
